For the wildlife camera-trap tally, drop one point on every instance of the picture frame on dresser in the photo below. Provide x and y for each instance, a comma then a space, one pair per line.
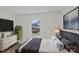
71, 19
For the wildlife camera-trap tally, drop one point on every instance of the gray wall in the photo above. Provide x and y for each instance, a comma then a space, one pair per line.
48, 21
66, 10
6, 14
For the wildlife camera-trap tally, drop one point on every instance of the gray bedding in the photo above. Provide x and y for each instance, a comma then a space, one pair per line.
66, 41
32, 46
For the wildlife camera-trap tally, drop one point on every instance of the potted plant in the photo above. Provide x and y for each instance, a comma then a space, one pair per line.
19, 32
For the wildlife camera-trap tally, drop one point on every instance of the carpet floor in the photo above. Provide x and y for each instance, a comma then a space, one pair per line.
12, 49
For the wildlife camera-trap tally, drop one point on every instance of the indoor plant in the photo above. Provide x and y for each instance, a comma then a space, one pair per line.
19, 32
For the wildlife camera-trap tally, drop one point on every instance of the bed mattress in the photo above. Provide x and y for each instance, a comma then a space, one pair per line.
45, 46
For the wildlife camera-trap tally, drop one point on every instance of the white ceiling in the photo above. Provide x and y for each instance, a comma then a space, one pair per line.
33, 9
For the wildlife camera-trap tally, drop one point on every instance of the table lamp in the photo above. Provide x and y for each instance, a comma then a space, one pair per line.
57, 31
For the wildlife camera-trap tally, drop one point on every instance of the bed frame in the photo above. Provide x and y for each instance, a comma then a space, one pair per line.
73, 37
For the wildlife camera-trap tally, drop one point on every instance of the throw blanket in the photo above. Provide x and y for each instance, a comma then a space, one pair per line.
32, 46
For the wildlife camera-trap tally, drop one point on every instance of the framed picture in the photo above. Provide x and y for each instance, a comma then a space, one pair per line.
35, 26
71, 19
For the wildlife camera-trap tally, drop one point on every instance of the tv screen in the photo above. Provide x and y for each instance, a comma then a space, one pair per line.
6, 25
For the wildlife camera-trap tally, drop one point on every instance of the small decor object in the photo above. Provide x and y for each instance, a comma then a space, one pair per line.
19, 32
71, 19
2, 35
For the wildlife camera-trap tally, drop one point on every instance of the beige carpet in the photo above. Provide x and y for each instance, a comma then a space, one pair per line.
12, 49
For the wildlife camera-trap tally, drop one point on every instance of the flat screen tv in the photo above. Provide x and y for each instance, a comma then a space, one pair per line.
6, 25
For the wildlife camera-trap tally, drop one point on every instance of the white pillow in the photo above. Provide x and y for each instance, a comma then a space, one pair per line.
57, 43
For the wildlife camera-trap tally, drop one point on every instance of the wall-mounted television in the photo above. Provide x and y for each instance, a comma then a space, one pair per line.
6, 25
71, 19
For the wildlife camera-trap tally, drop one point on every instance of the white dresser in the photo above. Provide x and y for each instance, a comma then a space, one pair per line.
7, 42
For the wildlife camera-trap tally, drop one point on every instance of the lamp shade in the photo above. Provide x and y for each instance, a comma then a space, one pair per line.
57, 30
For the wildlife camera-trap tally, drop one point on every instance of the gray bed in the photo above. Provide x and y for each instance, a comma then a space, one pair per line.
38, 45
